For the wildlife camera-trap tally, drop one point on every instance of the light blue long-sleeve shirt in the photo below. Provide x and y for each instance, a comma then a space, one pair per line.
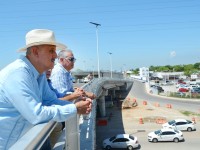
27, 100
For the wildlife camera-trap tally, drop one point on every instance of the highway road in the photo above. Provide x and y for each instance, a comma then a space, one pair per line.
139, 91
116, 125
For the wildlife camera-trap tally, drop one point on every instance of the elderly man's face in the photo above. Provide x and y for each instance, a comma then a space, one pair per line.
46, 56
68, 61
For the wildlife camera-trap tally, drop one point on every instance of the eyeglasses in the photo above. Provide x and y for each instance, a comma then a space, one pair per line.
72, 59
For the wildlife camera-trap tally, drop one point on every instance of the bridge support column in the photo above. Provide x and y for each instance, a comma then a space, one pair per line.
113, 93
102, 106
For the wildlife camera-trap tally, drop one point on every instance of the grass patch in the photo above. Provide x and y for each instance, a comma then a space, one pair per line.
189, 113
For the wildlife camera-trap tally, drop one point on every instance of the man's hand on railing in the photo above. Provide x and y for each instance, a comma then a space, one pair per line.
90, 95
85, 93
84, 106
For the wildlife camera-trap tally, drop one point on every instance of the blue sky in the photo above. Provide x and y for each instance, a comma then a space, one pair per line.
138, 33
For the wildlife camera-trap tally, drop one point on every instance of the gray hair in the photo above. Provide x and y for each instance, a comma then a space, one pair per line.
28, 51
63, 53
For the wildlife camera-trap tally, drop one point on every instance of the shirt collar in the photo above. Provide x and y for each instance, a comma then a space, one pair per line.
33, 69
65, 70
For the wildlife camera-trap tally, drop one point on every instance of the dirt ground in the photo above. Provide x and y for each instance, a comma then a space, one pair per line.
142, 117
153, 112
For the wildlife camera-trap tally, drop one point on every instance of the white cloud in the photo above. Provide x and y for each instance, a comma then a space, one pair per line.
172, 54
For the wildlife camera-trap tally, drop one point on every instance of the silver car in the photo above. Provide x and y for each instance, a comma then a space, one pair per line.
121, 141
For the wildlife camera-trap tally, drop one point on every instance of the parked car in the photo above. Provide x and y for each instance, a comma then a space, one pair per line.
193, 86
182, 86
165, 135
86, 80
180, 81
180, 124
121, 141
181, 94
195, 90
168, 82
183, 90
159, 88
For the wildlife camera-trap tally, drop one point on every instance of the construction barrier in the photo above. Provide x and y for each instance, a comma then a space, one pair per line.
144, 102
193, 119
141, 121
169, 106
160, 121
157, 104
102, 122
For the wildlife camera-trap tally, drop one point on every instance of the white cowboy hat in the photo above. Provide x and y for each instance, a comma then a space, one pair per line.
41, 37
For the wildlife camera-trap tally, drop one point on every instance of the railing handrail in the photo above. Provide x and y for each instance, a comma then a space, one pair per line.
38, 134
35, 137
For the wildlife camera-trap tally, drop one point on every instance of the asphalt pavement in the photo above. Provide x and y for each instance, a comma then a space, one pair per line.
128, 121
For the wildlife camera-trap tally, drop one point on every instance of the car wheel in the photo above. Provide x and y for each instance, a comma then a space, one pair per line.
108, 147
155, 140
176, 140
189, 129
130, 147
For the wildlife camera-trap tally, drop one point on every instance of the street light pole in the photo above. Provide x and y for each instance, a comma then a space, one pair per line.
96, 24
110, 64
84, 65
124, 70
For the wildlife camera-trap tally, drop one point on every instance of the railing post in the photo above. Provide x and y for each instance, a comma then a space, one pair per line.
72, 133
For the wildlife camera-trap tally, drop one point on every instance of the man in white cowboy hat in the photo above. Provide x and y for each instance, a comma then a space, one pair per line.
25, 97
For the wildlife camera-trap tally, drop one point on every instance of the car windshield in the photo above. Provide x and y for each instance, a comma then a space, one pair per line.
112, 138
171, 122
188, 121
176, 131
157, 132
131, 137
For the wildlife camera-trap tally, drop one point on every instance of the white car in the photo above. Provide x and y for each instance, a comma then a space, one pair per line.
193, 86
86, 80
165, 135
121, 141
180, 124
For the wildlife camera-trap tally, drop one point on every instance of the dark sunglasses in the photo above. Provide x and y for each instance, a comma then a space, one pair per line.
72, 59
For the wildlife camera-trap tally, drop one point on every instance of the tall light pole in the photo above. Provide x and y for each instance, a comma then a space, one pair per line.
96, 24
110, 64
124, 70
84, 65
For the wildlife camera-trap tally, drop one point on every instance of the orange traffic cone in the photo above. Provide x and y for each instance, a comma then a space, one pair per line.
157, 104
169, 106
141, 121
193, 119
144, 102
134, 100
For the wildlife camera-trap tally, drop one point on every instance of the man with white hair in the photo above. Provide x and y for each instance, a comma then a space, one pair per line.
25, 96
62, 80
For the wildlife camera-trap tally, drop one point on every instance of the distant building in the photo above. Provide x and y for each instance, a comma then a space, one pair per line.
194, 76
144, 73
168, 75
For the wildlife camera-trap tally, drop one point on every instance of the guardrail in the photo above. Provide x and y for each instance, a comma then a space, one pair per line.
80, 131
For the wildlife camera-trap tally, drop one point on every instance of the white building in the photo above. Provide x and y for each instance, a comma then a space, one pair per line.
144, 73
168, 75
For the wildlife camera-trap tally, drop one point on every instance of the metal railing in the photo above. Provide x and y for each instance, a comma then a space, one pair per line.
80, 131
